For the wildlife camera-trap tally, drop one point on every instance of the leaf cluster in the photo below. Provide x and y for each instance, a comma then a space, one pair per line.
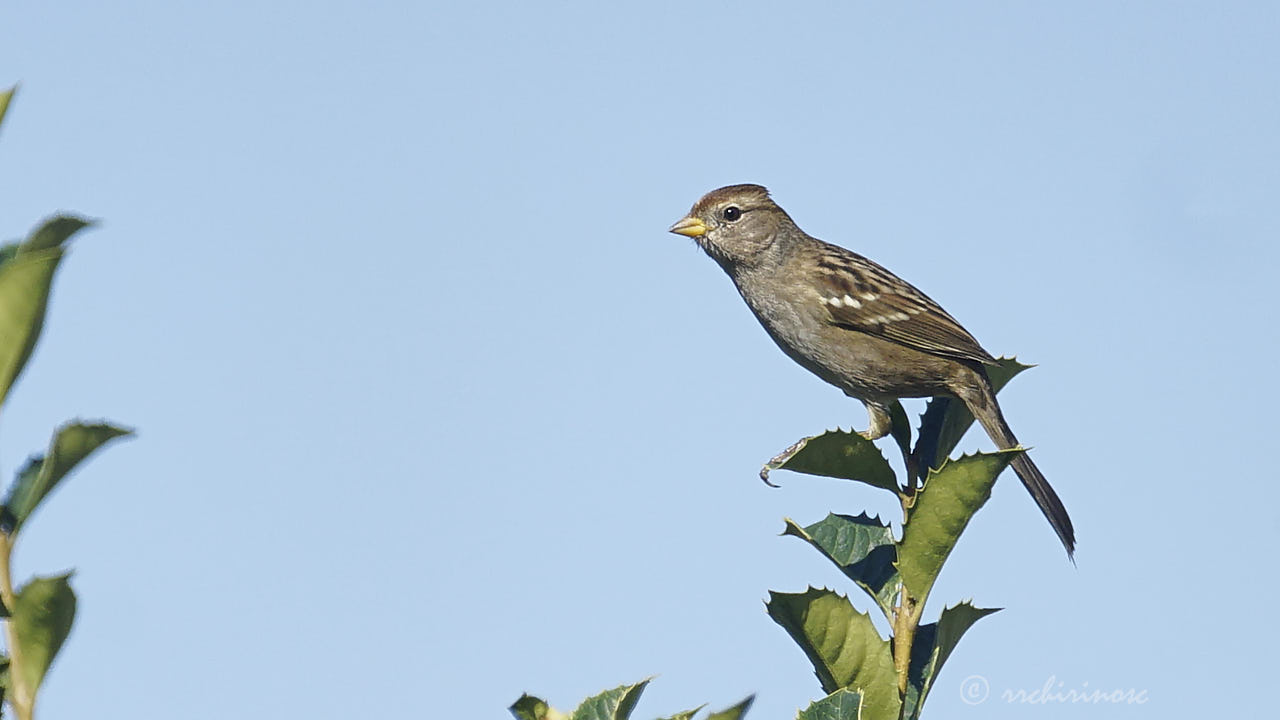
38, 615
866, 675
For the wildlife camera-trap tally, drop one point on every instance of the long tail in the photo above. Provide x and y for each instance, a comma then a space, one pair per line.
987, 412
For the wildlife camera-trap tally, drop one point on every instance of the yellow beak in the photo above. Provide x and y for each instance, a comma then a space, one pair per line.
690, 226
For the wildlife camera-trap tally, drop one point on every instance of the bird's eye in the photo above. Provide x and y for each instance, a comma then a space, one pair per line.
732, 213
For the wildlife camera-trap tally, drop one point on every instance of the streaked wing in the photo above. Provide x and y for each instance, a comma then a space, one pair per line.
861, 295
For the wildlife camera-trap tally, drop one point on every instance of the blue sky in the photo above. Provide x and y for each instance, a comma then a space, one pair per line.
432, 411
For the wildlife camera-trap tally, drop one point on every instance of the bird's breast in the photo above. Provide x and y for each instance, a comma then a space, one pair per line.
862, 365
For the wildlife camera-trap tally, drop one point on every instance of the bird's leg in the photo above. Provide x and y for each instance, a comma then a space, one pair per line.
880, 421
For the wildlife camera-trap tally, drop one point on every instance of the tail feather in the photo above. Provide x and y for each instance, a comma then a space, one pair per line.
987, 411
1047, 499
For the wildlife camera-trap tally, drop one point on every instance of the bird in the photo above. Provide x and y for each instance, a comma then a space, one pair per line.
854, 323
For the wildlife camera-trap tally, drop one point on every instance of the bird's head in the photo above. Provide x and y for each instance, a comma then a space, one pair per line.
735, 225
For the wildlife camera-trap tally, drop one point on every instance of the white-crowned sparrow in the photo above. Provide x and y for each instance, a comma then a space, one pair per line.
853, 323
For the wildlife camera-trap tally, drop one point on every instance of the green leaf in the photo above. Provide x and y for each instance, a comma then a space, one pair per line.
5, 97
839, 705
53, 233
615, 704
862, 547
43, 611
946, 420
25, 281
71, 444
736, 712
933, 645
942, 509
843, 645
26, 275
529, 707
837, 454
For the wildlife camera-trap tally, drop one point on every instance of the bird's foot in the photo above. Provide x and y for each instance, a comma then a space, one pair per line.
781, 459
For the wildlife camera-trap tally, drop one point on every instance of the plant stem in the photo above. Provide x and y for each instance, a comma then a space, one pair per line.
19, 694
905, 622
906, 617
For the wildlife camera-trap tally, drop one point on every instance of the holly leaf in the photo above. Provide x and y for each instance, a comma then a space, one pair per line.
942, 509
932, 646
839, 705
615, 704
862, 547
836, 454
844, 647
